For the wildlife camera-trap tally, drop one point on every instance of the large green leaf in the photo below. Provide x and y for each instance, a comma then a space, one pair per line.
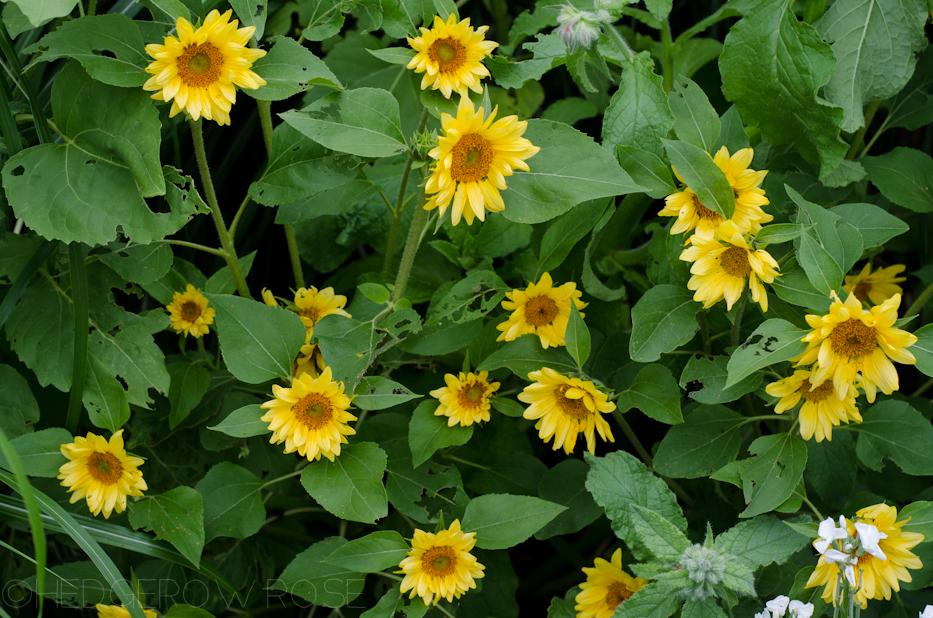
18, 407
777, 341
525, 355
896, 431
712, 374
104, 397
923, 349
565, 484
653, 601
662, 538
761, 541
177, 516
251, 13
773, 66
707, 440
41, 332
876, 225
140, 263
639, 114
567, 231
654, 392
40, 11
695, 120
662, 320
289, 69
648, 170
232, 503
428, 433
374, 552
243, 422
703, 176
312, 578
351, 486
40, 451
189, 383
875, 44
903, 176
570, 168
771, 475
501, 521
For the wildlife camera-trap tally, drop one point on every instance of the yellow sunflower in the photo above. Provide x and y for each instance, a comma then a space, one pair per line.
440, 566
197, 70
269, 298
310, 417
878, 577
189, 313
451, 56
606, 587
564, 407
749, 198
465, 399
474, 156
723, 263
851, 340
312, 304
540, 309
876, 286
102, 472
821, 408
120, 611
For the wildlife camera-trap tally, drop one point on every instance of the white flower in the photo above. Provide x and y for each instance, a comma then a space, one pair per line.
927, 612
799, 609
765, 614
830, 533
834, 555
778, 605
869, 536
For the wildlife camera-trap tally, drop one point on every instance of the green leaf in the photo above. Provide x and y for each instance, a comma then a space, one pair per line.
778, 340
167, 11
372, 553
458, 304
648, 170
777, 87
258, 342
662, 320
569, 110
177, 516
570, 168
578, 337
822, 270
233, 505
739, 578
251, 13
712, 375
40, 451
695, 120
844, 175
779, 232
549, 51
289, 69
761, 541
501, 521
104, 398
375, 292
876, 225
703, 176
368, 126
894, 430
923, 349
41, 332
771, 475
394, 55
140, 263
378, 393
654, 392
39, 11
794, 287
507, 407
566, 231
310, 577
351, 486
243, 423
428, 433
18, 407
921, 518
565, 484
707, 440
707, 608
221, 282
189, 383
875, 45
639, 114
525, 355
659, 8
808, 595
661, 537
902, 176
387, 605
832, 467
87, 39
74, 584
653, 601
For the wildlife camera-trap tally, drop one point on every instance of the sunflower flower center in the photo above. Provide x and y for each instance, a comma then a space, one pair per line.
703, 212
191, 311
862, 290
439, 561
311, 313
449, 54
734, 261
818, 394
105, 467
472, 396
313, 411
540, 311
472, 156
617, 593
852, 338
199, 65
574, 408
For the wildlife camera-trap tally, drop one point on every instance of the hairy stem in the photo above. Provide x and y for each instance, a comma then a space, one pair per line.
613, 34
418, 221
400, 201
79, 306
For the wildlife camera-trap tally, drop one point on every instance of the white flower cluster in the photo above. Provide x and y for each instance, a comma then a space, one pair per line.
927, 612
864, 542
783, 606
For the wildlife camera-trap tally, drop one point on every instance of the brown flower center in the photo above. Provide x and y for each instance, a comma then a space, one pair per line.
617, 593
574, 408
199, 65
311, 313
105, 467
472, 156
818, 394
734, 261
852, 338
439, 561
472, 396
862, 289
540, 311
191, 311
313, 411
703, 212
449, 54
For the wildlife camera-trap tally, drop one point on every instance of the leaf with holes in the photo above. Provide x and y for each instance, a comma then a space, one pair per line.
177, 516
289, 69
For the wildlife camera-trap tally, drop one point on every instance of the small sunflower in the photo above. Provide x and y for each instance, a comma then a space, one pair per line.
269, 298
851, 340
606, 587
197, 71
564, 407
540, 309
451, 56
310, 417
749, 198
465, 399
876, 286
120, 611
189, 313
311, 305
878, 577
474, 156
440, 566
310, 359
722, 264
821, 408
102, 472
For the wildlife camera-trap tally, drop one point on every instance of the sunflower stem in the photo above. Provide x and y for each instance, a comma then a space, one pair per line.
400, 201
922, 300
226, 242
79, 305
92, 8
737, 325
194, 245
860, 134
418, 221
627, 430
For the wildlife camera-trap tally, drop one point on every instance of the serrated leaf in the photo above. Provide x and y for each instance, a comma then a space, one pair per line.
40, 330
501, 521
251, 13
876, 225
772, 474
177, 516
703, 176
655, 393
653, 601
695, 120
661, 537
19, 410
778, 340
761, 541
663, 319
639, 114
707, 440
469, 299
104, 397
351, 486
289, 69
427, 433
